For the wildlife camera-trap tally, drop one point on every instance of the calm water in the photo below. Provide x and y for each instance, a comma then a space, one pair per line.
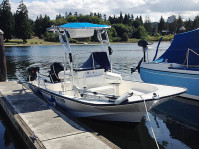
175, 122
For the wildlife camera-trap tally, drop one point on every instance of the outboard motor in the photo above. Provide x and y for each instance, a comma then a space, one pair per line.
143, 44
32, 73
55, 68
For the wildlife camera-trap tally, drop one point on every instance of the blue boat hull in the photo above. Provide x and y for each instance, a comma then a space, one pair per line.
189, 81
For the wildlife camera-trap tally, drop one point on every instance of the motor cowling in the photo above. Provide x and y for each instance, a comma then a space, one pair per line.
32, 73
143, 43
55, 68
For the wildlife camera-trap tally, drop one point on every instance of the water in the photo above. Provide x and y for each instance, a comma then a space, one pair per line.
176, 122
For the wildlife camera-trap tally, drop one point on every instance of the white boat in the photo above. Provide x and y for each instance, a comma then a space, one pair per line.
93, 90
178, 66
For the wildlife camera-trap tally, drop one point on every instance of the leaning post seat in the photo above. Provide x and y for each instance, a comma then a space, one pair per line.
89, 78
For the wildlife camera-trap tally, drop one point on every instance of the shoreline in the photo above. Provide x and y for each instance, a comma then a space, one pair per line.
74, 44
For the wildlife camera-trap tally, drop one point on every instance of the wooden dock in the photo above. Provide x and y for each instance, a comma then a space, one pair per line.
42, 126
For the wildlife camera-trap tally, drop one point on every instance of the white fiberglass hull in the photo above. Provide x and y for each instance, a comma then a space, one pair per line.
127, 112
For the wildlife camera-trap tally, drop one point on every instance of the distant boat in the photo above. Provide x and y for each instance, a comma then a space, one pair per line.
93, 90
178, 66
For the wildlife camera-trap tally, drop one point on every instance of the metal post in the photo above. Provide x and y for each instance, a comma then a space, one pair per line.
108, 42
3, 67
70, 58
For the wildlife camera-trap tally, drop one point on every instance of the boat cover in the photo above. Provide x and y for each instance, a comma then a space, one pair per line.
177, 51
80, 25
82, 30
98, 60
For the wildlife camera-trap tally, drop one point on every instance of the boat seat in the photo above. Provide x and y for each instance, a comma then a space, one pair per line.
90, 78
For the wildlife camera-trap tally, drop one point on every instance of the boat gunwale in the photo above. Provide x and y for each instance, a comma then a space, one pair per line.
92, 104
171, 71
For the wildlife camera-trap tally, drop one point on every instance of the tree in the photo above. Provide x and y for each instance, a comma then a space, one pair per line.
22, 24
161, 25
41, 24
196, 22
121, 28
147, 25
120, 19
137, 22
6, 19
141, 33
124, 37
180, 23
188, 25
127, 19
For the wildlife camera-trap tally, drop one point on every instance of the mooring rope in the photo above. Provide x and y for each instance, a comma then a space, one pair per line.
150, 122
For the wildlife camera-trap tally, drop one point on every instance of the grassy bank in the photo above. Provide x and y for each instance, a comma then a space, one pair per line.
31, 42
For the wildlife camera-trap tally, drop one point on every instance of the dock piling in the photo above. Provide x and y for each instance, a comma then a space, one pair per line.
3, 67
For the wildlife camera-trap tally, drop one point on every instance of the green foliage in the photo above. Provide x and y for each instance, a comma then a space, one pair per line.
124, 27
172, 27
188, 25
196, 22
116, 39
137, 22
147, 25
180, 23
121, 28
22, 23
161, 25
49, 36
124, 37
6, 19
141, 33
71, 19
41, 23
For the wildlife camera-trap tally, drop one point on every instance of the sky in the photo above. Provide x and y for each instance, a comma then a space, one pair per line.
154, 9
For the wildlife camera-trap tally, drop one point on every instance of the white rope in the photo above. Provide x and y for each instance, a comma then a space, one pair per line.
187, 56
150, 123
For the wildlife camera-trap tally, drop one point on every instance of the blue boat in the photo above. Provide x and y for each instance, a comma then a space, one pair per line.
178, 66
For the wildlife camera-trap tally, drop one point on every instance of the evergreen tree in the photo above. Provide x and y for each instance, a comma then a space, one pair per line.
188, 25
41, 24
120, 19
161, 25
6, 19
22, 24
124, 37
196, 22
137, 22
141, 21
141, 32
132, 17
127, 19
180, 23
173, 26
147, 25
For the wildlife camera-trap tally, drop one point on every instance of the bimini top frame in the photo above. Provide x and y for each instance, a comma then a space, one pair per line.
80, 30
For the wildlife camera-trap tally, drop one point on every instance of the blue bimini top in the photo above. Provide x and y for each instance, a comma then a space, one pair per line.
177, 51
80, 25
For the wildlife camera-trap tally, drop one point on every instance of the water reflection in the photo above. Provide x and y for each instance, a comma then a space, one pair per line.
177, 123
123, 135
9, 139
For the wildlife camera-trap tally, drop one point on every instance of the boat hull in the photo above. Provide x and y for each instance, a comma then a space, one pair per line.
132, 112
160, 74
